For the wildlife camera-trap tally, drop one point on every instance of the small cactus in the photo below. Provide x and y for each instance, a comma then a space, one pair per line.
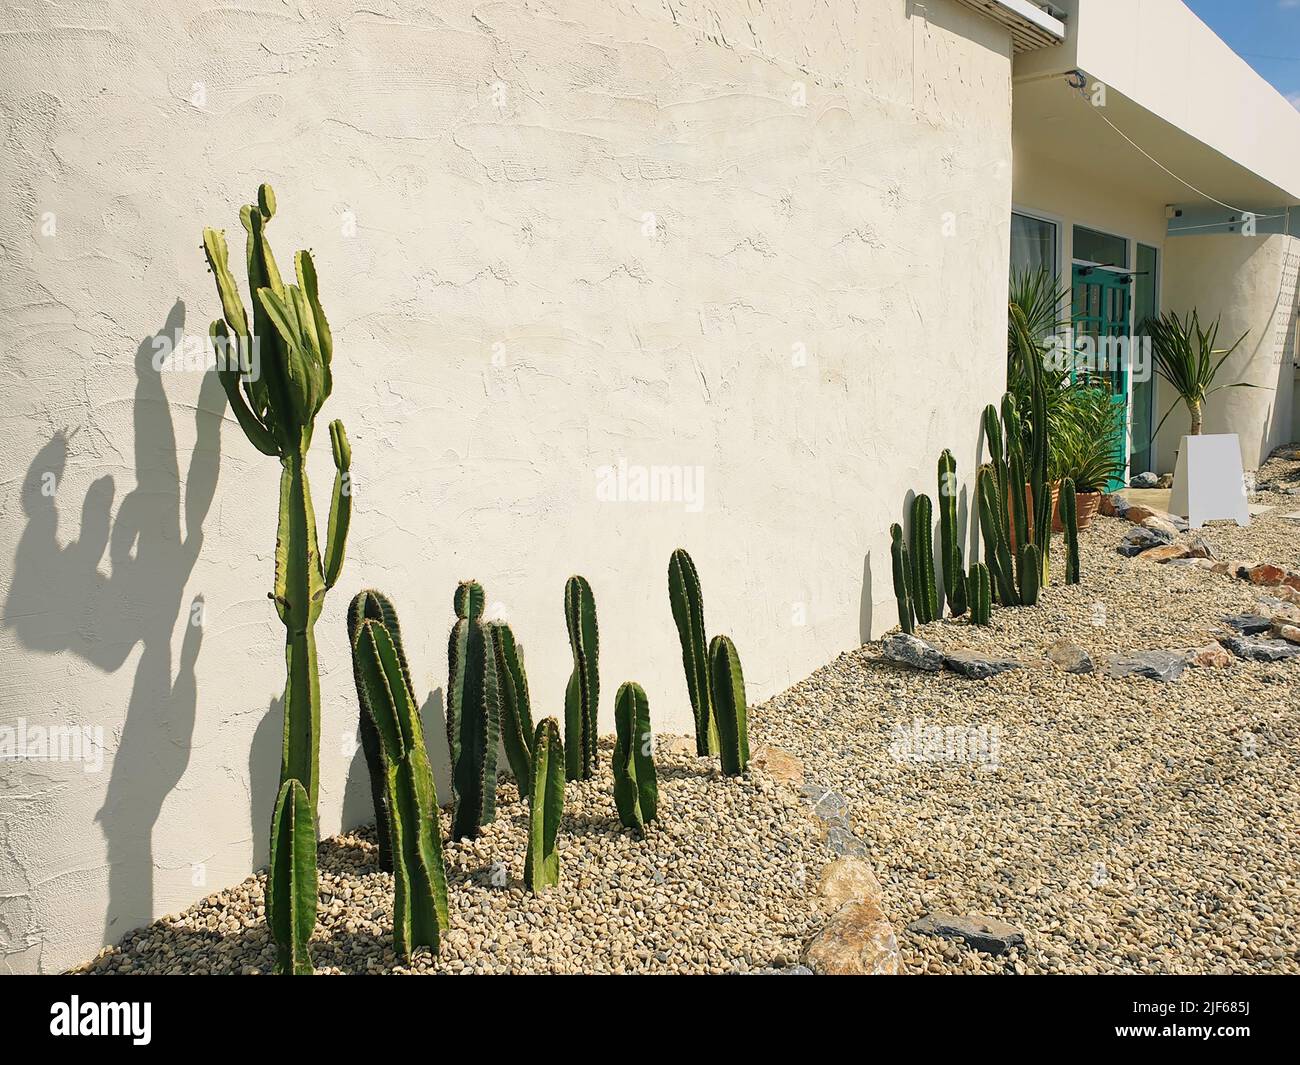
1031, 569
291, 879
636, 786
729, 704
545, 808
687, 601
902, 579
954, 577
516, 712
1070, 523
582, 696
473, 715
925, 596
980, 587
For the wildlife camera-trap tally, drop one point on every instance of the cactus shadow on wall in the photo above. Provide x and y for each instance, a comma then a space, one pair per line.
864, 603
67, 597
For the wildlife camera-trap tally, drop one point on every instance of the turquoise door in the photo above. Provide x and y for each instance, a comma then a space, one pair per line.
1101, 301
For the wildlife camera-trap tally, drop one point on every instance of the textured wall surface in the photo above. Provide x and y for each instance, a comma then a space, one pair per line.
1252, 283
765, 242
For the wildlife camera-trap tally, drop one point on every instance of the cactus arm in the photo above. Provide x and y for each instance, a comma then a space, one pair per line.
489, 736
365, 606
258, 435
336, 534
307, 282
546, 808
687, 601
291, 881
516, 715
218, 256
729, 704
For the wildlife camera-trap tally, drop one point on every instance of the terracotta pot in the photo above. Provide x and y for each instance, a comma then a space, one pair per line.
1029, 508
1086, 505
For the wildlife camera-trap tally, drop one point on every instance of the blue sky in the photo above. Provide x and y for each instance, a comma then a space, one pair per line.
1265, 33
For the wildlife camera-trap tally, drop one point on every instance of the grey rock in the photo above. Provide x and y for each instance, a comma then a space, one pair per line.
1118, 504
1199, 548
1162, 526
976, 666
1070, 657
981, 933
1140, 538
1145, 480
844, 842
1154, 665
1248, 624
1166, 481
789, 970
1257, 650
912, 651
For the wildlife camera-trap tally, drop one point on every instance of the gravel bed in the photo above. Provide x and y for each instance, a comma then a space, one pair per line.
719, 884
1130, 825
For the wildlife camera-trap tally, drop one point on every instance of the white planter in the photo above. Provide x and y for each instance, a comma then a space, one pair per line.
1209, 482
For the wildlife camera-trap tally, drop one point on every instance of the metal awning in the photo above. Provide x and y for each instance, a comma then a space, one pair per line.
1031, 27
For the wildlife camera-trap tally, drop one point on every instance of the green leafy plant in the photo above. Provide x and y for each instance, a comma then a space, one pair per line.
1085, 440
419, 877
1185, 355
636, 785
902, 567
583, 693
728, 683
687, 602
545, 808
473, 714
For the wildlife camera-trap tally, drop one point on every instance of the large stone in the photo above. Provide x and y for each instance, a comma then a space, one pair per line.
858, 940
1154, 665
847, 880
1145, 480
778, 764
1070, 657
980, 933
1280, 609
1165, 553
1211, 656
1137, 513
1114, 505
1199, 548
1248, 624
912, 651
1290, 633
1161, 525
975, 666
1255, 649
1140, 539
1266, 574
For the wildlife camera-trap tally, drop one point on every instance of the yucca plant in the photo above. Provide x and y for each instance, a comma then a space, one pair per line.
1186, 357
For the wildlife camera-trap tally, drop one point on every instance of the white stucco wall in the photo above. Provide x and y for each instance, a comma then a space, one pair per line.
647, 212
1251, 282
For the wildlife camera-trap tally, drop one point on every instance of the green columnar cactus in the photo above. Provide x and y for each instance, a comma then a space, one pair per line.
419, 877
687, 601
729, 704
1029, 354
545, 808
291, 879
1015, 475
370, 605
516, 710
276, 386
981, 594
1030, 568
583, 693
636, 785
993, 529
954, 576
925, 596
473, 715
1070, 523
902, 579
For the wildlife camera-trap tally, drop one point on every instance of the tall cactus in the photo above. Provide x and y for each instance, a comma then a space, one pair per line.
583, 693
728, 683
545, 808
1028, 351
636, 784
370, 605
687, 601
954, 576
473, 714
1030, 568
516, 710
993, 529
924, 593
276, 387
980, 587
902, 566
291, 879
419, 877
1070, 523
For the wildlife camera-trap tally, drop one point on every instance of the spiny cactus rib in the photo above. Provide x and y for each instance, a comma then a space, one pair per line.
636, 785
1070, 523
583, 693
516, 711
1030, 571
997, 549
902, 579
729, 704
687, 601
419, 877
925, 595
954, 577
291, 880
546, 808
980, 587
473, 715
371, 605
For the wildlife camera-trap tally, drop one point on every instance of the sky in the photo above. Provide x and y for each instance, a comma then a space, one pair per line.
1265, 33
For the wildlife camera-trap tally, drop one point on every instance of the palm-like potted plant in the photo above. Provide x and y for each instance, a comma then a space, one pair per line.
1186, 357
1085, 447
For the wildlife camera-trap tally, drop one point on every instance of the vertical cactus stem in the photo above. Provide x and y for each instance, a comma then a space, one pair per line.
473, 708
291, 879
1070, 524
980, 588
636, 786
924, 593
546, 808
1030, 571
993, 529
729, 704
686, 598
583, 693
516, 713
336, 535
949, 549
902, 579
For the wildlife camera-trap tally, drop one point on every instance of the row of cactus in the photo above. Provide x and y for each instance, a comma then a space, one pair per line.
275, 369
